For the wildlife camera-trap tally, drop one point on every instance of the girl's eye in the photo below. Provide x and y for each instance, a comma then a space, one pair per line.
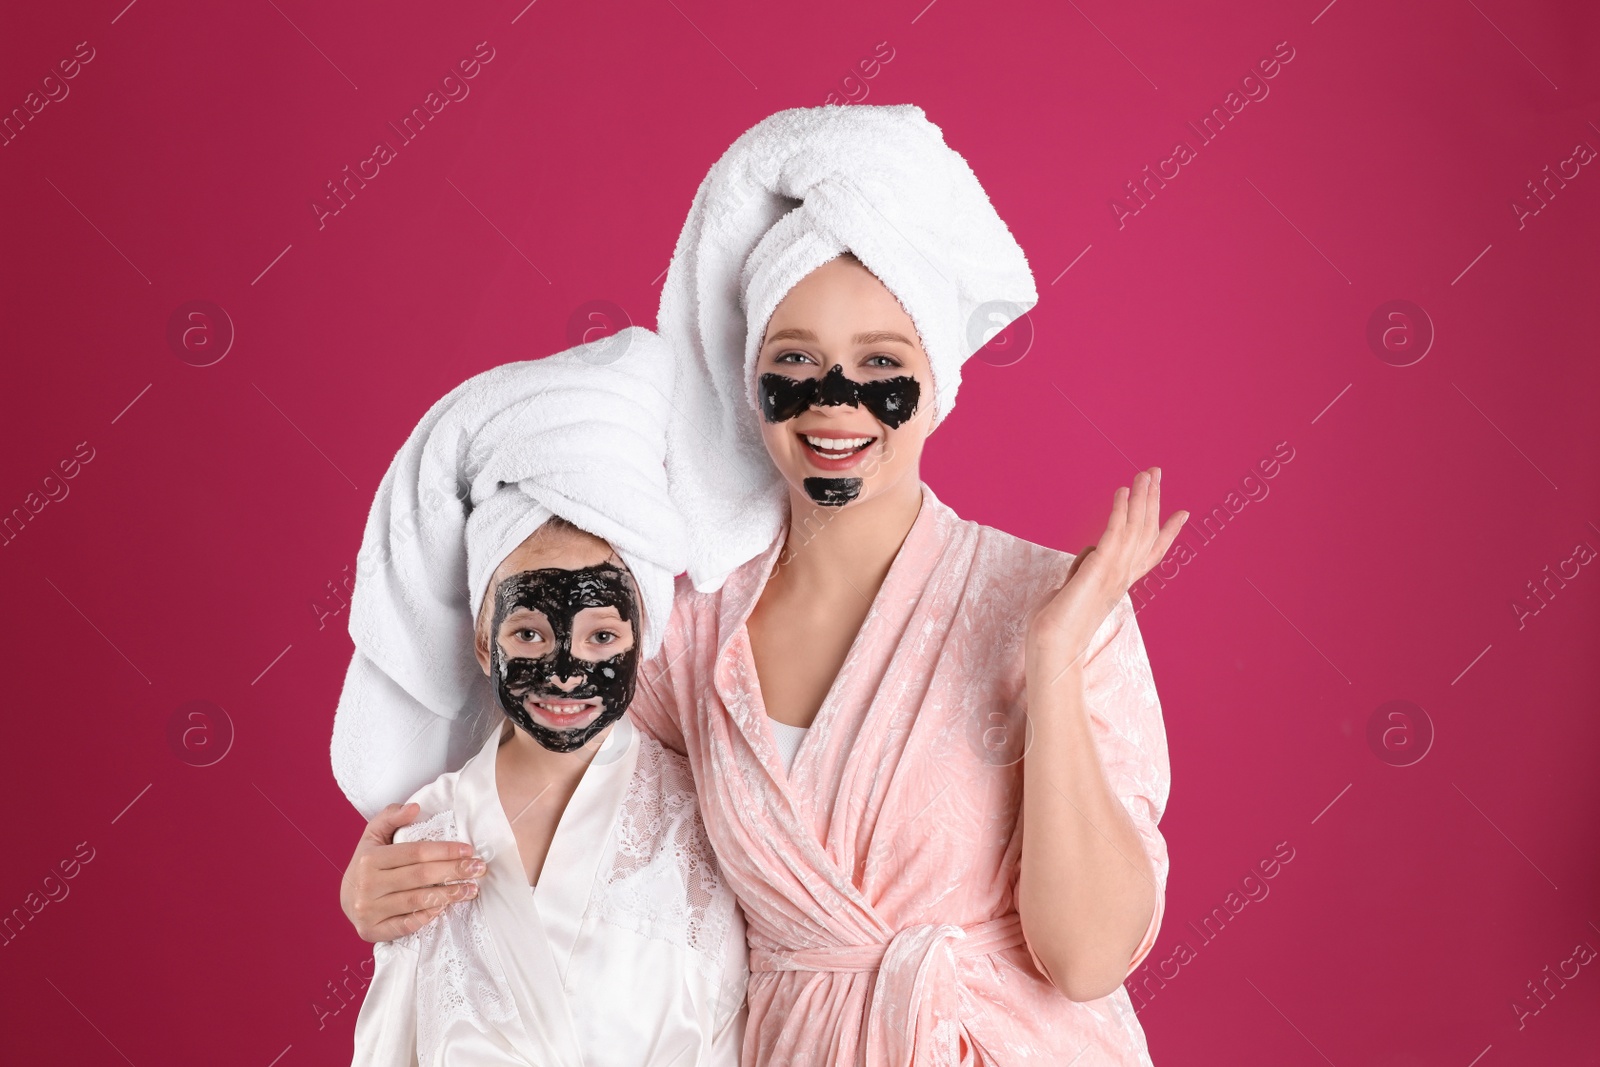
603, 637
528, 635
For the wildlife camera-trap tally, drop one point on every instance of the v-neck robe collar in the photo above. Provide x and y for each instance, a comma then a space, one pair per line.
738, 600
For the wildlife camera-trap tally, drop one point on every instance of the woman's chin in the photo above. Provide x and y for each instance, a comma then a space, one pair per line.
833, 492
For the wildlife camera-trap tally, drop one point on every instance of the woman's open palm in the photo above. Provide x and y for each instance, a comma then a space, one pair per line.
1134, 541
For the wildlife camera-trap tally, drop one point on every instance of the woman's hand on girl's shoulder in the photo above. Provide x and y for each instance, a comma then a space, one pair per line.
391, 890
1133, 543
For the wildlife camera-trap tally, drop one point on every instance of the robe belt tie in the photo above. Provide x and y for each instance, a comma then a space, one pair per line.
916, 1007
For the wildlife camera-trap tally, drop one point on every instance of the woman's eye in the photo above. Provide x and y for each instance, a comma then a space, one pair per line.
797, 357
882, 361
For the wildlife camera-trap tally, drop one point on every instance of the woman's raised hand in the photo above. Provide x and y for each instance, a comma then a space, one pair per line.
391, 890
1059, 633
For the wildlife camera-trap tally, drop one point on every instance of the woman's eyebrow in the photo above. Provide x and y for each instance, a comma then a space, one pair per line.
878, 337
871, 337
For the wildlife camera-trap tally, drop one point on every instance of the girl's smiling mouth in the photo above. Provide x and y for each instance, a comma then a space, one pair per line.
563, 713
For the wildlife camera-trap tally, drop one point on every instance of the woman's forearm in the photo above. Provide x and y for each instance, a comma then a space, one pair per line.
1086, 891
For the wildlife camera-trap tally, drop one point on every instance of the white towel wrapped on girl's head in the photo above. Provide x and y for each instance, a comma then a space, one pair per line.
580, 434
793, 192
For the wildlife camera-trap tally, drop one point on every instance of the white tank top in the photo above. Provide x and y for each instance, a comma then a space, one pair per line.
788, 739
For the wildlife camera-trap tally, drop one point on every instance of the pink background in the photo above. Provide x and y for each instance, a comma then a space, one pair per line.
197, 555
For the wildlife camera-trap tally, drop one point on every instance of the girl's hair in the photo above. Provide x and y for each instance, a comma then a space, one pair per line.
555, 524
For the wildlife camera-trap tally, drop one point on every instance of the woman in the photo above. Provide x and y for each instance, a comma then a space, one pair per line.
600, 931
897, 910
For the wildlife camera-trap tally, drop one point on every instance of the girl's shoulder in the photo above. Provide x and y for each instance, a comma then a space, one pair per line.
437, 819
662, 779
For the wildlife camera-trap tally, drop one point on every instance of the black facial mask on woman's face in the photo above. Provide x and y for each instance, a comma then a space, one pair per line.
832, 492
560, 595
892, 401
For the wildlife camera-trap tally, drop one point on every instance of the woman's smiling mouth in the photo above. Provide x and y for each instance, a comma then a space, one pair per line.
834, 451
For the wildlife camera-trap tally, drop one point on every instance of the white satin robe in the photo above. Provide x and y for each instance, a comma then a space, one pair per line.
630, 951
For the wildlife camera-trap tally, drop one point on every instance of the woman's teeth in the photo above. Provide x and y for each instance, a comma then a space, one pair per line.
837, 447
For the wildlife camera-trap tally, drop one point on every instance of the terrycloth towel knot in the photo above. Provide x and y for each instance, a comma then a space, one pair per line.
916, 1007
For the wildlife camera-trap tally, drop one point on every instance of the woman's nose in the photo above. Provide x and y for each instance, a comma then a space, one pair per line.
835, 390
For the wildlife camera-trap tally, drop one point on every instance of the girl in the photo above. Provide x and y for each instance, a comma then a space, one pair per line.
599, 929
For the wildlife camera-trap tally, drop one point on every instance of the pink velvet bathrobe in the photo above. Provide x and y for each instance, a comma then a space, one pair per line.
878, 876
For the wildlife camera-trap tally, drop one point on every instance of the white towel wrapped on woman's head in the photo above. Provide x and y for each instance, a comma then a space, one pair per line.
793, 192
580, 434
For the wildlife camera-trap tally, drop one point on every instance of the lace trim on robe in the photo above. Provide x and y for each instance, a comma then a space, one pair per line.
663, 881
458, 976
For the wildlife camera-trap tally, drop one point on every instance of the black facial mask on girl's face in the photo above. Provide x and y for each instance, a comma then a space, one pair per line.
559, 595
